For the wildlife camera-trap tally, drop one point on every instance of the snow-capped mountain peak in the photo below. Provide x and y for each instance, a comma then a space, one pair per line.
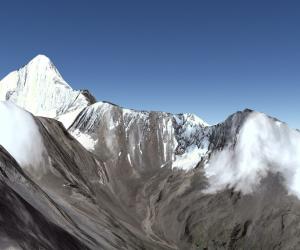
43, 67
39, 88
139, 179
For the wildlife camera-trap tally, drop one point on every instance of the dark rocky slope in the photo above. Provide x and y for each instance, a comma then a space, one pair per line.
79, 198
114, 178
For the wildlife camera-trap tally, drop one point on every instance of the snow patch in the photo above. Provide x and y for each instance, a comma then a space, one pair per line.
85, 140
129, 159
68, 118
191, 157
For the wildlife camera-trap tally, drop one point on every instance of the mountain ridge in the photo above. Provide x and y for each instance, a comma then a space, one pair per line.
107, 177
68, 110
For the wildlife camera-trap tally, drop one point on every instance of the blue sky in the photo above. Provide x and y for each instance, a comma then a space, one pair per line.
210, 58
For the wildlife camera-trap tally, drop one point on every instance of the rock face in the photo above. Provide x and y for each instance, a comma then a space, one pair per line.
30, 219
39, 88
143, 140
100, 176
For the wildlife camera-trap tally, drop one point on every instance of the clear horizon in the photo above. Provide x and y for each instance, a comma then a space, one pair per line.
210, 59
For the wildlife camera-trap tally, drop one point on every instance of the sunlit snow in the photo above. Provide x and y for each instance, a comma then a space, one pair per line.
86, 140
39, 88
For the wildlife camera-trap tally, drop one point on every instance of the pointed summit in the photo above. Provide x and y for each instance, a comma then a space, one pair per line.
40, 61
39, 88
42, 64
40, 58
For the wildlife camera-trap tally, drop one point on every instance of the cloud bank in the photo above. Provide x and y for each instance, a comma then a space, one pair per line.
20, 136
263, 146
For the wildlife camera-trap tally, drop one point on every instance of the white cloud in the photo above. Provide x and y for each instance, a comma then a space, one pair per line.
263, 146
19, 135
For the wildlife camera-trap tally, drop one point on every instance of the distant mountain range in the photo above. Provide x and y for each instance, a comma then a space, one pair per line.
80, 174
